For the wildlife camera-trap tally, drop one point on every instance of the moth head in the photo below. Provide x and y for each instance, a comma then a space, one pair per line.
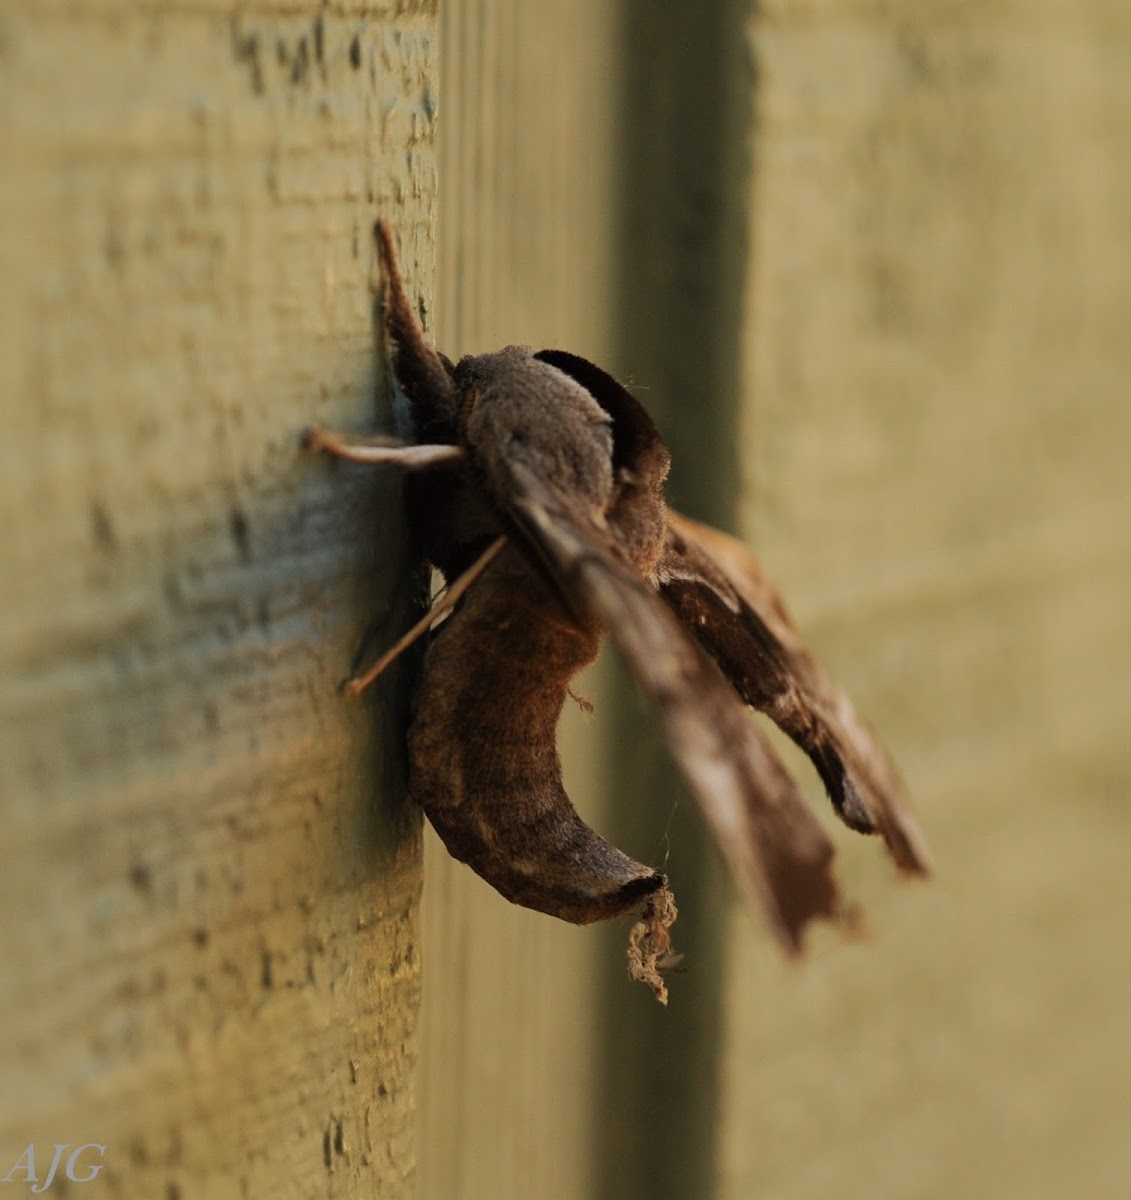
638, 447
515, 408
640, 460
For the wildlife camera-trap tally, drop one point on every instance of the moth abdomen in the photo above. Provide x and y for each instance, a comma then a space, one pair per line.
483, 758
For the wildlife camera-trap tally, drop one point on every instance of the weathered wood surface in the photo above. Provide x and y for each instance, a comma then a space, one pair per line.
932, 340
589, 200
525, 255
939, 301
210, 890
211, 953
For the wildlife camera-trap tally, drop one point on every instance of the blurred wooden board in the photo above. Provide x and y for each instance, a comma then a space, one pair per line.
939, 300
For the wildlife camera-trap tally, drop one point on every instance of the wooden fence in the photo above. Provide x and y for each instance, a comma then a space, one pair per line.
870, 266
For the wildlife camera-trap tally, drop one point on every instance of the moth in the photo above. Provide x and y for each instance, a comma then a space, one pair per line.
534, 485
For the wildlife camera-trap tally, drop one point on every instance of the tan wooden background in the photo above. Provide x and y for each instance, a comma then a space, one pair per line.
890, 246
939, 302
870, 264
208, 953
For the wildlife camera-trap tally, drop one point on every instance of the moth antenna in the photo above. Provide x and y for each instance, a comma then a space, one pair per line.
358, 683
400, 316
420, 369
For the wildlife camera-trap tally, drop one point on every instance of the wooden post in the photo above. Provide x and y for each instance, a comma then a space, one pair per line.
569, 219
210, 884
527, 207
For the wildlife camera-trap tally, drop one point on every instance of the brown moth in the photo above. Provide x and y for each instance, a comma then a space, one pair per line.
536, 489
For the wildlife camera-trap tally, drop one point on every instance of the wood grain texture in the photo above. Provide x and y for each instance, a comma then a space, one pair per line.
211, 880
938, 305
525, 234
589, 184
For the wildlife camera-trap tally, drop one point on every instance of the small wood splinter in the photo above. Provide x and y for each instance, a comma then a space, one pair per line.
547, 454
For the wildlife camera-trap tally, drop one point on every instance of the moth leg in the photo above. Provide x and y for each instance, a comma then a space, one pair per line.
356, 684
376, 451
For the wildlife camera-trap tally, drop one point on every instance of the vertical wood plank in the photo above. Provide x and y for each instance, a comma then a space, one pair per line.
210, 888
526, 224
938, 354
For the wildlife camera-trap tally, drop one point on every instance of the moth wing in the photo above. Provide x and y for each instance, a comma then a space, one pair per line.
778, 854
718, 589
